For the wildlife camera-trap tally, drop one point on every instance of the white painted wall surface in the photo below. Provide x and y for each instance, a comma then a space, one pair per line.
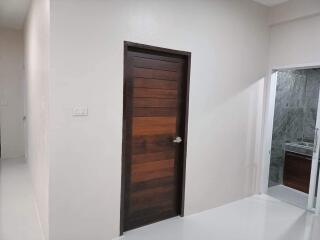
11, 93
228, 41
293, 10
295, 43
37, 88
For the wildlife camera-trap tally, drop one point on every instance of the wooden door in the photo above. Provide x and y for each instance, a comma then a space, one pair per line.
155, 118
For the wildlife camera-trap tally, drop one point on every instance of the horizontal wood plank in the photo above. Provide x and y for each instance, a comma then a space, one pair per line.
154, 93
162, 57
153, 112
150, 157
163, 192
153, 166
155, 83
155, 74
153, 125
150, 216
141, 207
156, 64
154, 183
160, 173
160, 195
154, 102
152, 144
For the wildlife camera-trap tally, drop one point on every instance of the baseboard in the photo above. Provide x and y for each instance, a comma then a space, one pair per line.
119, 238
12, 158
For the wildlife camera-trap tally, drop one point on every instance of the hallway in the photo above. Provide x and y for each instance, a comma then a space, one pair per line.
18, 215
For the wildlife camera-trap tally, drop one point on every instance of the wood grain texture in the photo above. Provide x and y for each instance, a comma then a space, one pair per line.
152, 170
154, 183
155, 74
154, 156
154, 93
155, 102
155, 64
159, 56
149, 216
156, 196
154, 126
156, 88
297, 171
152, 144
155, 83
154, 111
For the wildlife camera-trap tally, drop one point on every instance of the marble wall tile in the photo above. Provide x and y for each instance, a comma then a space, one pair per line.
311, 105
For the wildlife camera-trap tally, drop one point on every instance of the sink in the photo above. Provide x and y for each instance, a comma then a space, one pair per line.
301, 144
304, 148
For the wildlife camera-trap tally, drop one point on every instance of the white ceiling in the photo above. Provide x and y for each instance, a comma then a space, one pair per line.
271, 3
13, 13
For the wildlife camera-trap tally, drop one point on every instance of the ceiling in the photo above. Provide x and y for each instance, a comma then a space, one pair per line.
271, 3
13, 13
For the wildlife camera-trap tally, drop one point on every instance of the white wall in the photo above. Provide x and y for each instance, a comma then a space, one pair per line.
37, 88
293, 10
229, 43
11, 93
295, 42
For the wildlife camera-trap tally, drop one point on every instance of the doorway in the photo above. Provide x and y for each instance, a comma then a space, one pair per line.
155, 118
292, 137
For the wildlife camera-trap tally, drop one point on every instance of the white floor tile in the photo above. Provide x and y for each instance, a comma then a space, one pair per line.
18, 216
255, 218
289, 195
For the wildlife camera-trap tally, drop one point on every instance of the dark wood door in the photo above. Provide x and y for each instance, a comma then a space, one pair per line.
155, 109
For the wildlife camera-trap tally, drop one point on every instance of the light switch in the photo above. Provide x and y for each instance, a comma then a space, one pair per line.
80, 111
3, 103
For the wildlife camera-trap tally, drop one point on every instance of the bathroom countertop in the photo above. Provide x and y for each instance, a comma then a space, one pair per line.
303, 148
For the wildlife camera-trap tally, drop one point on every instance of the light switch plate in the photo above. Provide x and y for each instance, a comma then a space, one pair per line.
80, 111
3, 103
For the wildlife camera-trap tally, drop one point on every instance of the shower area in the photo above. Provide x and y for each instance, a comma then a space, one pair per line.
294, 153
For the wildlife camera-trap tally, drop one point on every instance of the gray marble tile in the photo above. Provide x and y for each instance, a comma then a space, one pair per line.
309, 123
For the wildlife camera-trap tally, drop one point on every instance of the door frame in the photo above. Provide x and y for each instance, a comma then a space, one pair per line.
268, 122
185, 104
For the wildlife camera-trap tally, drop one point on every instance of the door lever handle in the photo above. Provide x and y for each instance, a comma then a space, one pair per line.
177, 140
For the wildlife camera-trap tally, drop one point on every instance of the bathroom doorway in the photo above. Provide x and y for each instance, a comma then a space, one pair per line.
292, 135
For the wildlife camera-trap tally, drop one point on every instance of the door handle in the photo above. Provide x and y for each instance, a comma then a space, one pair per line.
177, 140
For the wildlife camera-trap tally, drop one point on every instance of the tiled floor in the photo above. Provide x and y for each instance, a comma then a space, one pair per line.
289, 195
255, 218
18, 217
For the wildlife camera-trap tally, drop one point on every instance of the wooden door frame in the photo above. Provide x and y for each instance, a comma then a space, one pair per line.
185, 114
